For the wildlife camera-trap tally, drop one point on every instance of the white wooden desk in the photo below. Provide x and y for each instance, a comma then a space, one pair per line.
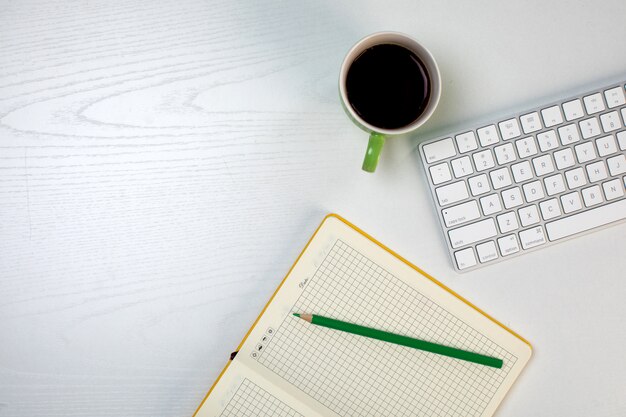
162, 163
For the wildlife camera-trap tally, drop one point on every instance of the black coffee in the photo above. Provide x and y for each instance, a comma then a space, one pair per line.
388, 86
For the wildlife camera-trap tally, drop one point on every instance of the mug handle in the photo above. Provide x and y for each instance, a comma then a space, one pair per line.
374, 146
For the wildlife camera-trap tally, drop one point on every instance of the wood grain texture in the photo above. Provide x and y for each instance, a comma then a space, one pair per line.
162, 163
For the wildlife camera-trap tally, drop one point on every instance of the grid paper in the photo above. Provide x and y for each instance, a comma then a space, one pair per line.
251, 400
356, 376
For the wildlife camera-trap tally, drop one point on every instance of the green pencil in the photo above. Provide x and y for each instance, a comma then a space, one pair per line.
401, 340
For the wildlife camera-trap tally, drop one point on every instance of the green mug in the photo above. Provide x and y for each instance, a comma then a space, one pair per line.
378, 134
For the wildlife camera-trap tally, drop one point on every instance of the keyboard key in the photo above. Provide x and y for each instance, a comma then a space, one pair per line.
439, 150
475, 232
463, 213
613, 189
552, 116
452, 193
509, 129
543, 165
547, 140
507, 222
550, 209
526, 147
508, 245
531, 122
585, 152
440, 173
512, 197
484, 160
594, 103
522, 171
573, 110
621, 138
466, 142
564, 158
554, 184
615, 97
596, 171
568, 134
589, 127
571, 202
465, 258
575, 178
532, 237
462, 167
617, 165
533, 191
528, 215
606, 145
479, 184
505, 153
490, 204
586, 220
610, 121
592, 196
487, 251
488, 135
500, 178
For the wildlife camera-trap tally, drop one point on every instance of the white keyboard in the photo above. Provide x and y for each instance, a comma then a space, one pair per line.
530, 180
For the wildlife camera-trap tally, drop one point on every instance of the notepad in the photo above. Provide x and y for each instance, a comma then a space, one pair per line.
286, 367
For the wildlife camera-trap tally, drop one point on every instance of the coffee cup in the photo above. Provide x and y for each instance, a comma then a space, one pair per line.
389, 85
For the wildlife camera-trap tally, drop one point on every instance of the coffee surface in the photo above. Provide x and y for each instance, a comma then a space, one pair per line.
388, 86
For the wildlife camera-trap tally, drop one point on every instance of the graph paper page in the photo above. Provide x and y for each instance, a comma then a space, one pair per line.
344, 275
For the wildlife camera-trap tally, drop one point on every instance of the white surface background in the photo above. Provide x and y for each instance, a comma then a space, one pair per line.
162, 164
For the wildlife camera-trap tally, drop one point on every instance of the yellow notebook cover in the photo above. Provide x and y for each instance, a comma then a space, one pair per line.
285, 368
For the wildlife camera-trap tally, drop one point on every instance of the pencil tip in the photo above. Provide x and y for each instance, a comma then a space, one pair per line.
296, 314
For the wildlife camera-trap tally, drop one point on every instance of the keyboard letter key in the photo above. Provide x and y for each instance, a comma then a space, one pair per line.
617, 165
613, 189
606, 145
550, 209
479, 184
592, 196
512, 198
571, 202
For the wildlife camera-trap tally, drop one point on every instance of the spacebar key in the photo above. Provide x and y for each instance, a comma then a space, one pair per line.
587, 220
